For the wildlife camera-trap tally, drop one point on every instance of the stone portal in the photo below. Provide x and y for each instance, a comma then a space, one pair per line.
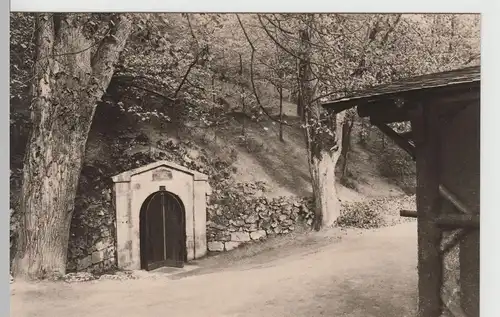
133, 188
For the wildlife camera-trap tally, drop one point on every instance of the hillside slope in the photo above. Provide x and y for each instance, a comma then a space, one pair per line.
258, 156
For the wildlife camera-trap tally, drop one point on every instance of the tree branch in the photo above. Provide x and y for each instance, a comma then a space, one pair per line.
109, 49
122, 80
185, 76
278, 25
252, 56
333, 93
391, 29
284, 48
191, 28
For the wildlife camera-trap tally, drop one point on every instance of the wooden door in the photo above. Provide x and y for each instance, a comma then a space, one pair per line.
162, 232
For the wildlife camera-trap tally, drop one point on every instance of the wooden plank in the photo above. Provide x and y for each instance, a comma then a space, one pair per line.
424, 125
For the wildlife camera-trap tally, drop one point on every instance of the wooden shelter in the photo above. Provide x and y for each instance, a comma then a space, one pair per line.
444, 112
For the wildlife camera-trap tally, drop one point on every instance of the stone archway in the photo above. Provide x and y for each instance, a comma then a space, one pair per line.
132, 188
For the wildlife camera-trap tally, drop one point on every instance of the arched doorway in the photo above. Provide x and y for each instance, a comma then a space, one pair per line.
162, 231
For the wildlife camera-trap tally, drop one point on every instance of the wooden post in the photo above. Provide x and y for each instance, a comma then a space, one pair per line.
426, 137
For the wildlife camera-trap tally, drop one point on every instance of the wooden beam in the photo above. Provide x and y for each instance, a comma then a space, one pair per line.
369, 108
337, 107
458, 221
451, 221
390, 117
382, 107
430, 267
384, 111
397, 138
446, 194
453, 239
408, 213
407, 135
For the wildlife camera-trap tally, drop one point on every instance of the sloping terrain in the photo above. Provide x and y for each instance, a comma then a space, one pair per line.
258, 155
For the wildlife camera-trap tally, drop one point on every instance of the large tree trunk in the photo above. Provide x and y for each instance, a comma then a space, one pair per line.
324, 152
326, 202
68, 83
323, 138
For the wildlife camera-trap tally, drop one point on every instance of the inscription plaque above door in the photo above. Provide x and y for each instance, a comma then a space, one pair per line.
162, 174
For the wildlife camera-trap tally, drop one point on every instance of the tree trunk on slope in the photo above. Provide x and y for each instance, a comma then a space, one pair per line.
280, 89
242, 98
68, 83
324, 152
300, 73
347, 125
323, 138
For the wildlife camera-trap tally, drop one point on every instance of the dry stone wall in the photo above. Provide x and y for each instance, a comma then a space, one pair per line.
92, 244
245, 218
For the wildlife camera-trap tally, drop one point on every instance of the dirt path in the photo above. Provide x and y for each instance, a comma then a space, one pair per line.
373, 274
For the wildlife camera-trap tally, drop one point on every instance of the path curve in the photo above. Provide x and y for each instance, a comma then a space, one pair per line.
371, 275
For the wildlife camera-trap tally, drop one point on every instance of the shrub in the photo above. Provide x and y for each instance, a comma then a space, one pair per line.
398, 167
360, 215
349, 183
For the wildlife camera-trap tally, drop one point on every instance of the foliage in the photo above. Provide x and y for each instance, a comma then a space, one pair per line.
396, 164
350, 180
360, 216
375, 213
176, 56
21, 56
398, 167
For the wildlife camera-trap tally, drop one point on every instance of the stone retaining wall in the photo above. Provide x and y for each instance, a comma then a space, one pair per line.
92, 244
254, 219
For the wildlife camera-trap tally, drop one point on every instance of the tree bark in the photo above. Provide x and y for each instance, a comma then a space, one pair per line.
323, 136
324, 153
300, 73
347, 125
326, 202
213, 89
362, 132
242, 98
281, 114
68, 83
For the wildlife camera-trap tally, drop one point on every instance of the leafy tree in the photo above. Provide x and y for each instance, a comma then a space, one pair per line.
339, 54
73, 65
